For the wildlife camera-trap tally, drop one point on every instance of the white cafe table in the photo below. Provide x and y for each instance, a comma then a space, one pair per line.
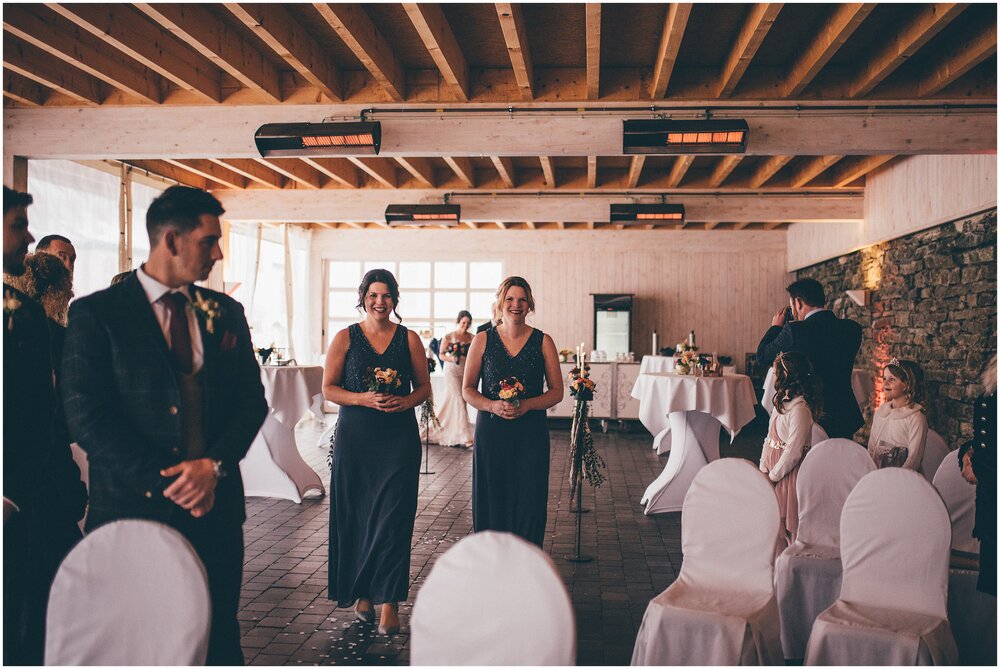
273, 466
696, 408
862, 384
661, 433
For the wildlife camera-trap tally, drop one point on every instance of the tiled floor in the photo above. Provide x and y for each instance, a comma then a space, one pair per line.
287, 619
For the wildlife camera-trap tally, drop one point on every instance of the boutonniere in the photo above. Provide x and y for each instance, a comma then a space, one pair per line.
10, 305
207, 309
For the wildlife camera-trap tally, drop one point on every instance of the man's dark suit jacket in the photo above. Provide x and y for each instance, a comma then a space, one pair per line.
831, 344
484, 327
122, 402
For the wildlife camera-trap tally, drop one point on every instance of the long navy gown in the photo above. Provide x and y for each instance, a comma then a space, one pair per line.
373, 483
510, 464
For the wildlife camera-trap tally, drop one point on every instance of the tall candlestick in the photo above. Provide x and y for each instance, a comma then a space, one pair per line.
655, 349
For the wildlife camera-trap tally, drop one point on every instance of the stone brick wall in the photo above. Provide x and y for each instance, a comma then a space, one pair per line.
933, 300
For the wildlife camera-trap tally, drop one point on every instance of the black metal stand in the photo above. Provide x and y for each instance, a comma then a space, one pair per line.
577, 557
427, 452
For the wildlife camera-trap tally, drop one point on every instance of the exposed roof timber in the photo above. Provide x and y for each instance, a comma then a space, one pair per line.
929, 21
432, 26
846, 176
463, 168
505, 168
421, 169
340, 170
227, 132
548, 171
23, 90
82, 50
953, 65
353, 25
294, 169
676, 21
31, 62
516, 37
768, 169
254, 171
275, 26
838, 29
725, 167
593, 28
379, 169
128, 31
206, 34
358, 205
172, 172
680, 168
213, 172
591, 171
812, 169
635, 171
755, 28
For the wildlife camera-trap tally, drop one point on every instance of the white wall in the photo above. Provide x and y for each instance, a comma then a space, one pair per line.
725, 285
914, 194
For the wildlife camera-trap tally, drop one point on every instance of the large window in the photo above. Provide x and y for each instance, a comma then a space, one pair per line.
431, 292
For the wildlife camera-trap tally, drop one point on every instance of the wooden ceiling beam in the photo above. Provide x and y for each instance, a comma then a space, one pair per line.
421, 169
127, 30
505, 168
340, 170
516, 36
929, 21
847, 175
680, 168
379, 169
294, 169
831, 36
773, 225
31, 62
276, 27
723, 170
812, 169
548, 171
463, 168
592, 24
197, 27
60, 38
591, 171
710, 225
971, 52
437, 36
353, 25
172, 172
768, 169
635, 171
212, 172
678, 14
253, 171
755, 28
23, 90
741, 225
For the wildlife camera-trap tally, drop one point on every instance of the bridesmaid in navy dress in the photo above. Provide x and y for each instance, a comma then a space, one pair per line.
510, 462
375, 455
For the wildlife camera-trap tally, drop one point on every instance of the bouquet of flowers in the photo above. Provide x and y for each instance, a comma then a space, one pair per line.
510, 390
265, 353
383, 380
585, 462
457, 349
581, 386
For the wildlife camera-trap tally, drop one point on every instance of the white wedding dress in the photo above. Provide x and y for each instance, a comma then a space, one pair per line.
451, 409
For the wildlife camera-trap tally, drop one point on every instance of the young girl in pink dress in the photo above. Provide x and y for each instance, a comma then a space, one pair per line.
797, 403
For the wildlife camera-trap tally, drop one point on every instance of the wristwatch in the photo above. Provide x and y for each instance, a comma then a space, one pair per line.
217, 469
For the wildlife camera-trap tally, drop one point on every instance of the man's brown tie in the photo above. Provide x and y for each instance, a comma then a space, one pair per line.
180, 335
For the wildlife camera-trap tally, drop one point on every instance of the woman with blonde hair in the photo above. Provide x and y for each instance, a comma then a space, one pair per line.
899, 426
510, 463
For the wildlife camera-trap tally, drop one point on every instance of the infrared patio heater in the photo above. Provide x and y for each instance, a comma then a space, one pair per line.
319, 140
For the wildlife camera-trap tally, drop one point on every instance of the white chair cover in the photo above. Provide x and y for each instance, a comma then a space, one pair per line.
807, 573
894, 544
934, 452
960, 499
132, 592
493, 599
721, 609
818, 435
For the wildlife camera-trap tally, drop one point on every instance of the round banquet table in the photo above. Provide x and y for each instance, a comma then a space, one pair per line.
656, 363
862, 384
695, 408
273, 466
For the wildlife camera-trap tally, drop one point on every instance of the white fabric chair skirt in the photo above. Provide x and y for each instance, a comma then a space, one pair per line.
721, 609
132, 592
935, 450
508, 602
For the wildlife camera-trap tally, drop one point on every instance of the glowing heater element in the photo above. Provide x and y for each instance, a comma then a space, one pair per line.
319, 140
647, 214
666, 136
417, 215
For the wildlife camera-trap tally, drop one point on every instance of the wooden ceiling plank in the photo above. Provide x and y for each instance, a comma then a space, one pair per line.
23, 90
741, 225
593, 29
929, 21
167, 171
678, 14
773, 225
768, 169
128, 31
437, 36
838, 28
421, 168
253, 171
353, 25
463, 168
723, 170
812, 169
31, 62
591, 171
380, 169
205, 33
710, 225
340, 170
82, 50
755, 28
635, 171
294, 169
548, 171
212, 172
276, 27
680, 168
846, 176
516, 36
505, 168
953, 65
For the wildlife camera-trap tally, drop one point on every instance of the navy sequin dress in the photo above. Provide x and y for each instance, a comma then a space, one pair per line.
373, 483
510, 465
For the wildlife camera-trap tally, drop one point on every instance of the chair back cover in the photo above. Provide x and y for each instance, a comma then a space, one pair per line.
818, 435
960, 499
934, 451
729, 525
132, 592
493, 599
827, 475
895, 542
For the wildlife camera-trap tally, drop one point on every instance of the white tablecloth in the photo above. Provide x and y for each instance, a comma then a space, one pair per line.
691, 409
862, 384
656, 363
273, 466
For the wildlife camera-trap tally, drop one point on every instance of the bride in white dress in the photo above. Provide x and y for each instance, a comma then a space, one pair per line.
450, 407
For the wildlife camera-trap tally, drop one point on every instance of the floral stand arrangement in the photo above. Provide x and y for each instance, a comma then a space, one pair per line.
426, 417
585, 462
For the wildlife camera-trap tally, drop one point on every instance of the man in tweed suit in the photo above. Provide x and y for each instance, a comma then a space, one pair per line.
161, 389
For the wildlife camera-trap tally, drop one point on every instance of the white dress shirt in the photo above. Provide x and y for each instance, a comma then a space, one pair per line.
154, 291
